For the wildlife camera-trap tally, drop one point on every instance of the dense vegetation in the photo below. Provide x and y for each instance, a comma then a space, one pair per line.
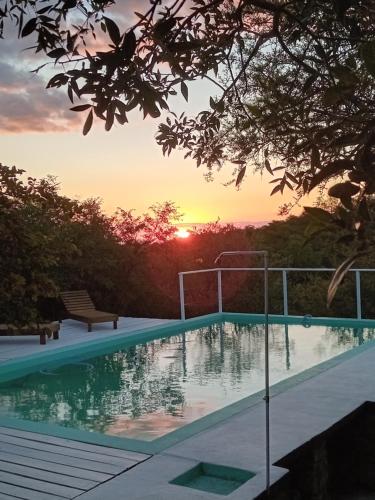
129, 263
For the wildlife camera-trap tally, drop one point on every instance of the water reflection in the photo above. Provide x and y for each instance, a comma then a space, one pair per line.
148, 390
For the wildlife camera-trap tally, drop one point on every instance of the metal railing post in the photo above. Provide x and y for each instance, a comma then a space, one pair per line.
267, 373
182, 295
219, 292
358, 293
285, 292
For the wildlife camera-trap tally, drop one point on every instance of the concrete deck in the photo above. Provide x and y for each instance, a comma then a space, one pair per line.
71, 333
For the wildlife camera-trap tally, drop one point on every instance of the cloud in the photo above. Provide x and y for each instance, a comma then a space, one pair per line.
25, 104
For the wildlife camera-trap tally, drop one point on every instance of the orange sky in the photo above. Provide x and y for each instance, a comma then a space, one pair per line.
124, 167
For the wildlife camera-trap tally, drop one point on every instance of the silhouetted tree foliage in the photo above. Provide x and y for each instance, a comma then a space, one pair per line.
130, 263
50, 242
294, 85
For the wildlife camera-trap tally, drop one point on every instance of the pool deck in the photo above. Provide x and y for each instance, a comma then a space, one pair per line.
72, 333
40, 467
297, 415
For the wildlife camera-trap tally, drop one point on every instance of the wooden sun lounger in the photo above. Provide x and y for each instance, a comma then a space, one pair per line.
44, 330
80, 307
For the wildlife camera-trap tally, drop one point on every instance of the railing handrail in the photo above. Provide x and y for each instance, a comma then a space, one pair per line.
288, 269
283, 270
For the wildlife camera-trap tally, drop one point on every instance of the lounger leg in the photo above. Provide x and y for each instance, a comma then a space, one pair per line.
42, 338
89, 327
115, 325
55, 335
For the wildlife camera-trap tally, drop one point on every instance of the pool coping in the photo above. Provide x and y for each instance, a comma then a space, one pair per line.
86, 349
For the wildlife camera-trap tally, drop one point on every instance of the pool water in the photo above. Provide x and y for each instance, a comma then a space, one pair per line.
150, 389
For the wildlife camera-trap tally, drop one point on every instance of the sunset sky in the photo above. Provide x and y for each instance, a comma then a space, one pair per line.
124, 167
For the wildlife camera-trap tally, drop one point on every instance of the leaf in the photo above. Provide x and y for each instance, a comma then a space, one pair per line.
44, 10
113, 30
220, 106
129, 45
315, 158
164, 26
81, 107
367, 52
153, 111
122, 119
69, 4
57, 80
268, 166
343, 189
346, 201
56, 53
110, 117
212, 103
185, 91
70, 95
29, 27
276, 189
240, 176
339, 276
292, 177
88, 123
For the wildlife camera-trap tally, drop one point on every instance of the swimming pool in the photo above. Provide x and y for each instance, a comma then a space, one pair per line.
148, 390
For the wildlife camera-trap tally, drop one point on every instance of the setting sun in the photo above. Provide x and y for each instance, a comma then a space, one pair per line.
182, 233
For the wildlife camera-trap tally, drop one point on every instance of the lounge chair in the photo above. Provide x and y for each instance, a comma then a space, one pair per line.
80, 307
44, 330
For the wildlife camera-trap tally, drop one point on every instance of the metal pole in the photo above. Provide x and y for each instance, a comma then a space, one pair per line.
182, 295
219, 292
285, 292
267, 374
358, 293
266, 353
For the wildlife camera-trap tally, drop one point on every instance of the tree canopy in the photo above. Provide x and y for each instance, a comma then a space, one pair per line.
294, 83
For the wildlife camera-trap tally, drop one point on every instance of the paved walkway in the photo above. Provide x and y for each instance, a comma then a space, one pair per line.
40, 467
71, 333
